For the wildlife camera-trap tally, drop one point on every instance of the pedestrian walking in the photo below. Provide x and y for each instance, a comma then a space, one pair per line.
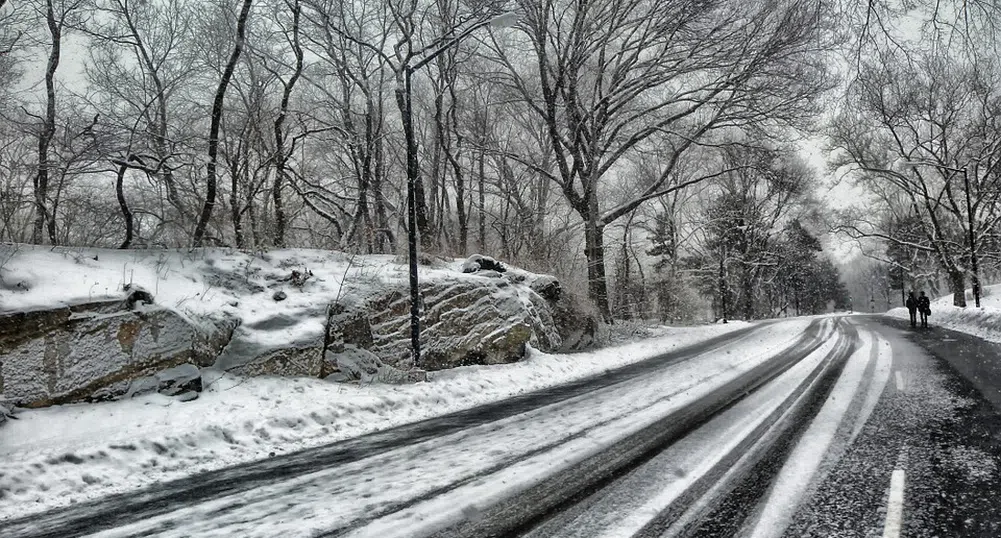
912, 308
924, 307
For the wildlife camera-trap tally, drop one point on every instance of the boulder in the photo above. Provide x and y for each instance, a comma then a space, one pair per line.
575, 324
548, 287
264, 347
352, 363
479, 262
170, 382
94, 351
187, 396
465, 321
6, 410
249, 358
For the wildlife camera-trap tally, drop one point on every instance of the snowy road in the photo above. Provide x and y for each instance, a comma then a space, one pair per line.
773, 431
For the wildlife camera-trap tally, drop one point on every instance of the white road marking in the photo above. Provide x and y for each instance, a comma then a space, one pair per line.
895, 503
895, 506
900, 381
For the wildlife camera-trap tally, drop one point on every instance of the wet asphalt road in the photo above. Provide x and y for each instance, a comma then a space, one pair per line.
937, 421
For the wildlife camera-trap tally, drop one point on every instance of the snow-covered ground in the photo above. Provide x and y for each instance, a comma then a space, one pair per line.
203, 284
983, 322
66, 454
516, 452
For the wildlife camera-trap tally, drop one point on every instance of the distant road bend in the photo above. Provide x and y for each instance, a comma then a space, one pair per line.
742, 434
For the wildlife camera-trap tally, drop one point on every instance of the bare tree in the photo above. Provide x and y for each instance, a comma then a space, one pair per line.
923, 129
139, 61
216, 122
58, 15
611, 77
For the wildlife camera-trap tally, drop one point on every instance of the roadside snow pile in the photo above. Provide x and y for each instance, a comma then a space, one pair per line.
983, 322
66, 454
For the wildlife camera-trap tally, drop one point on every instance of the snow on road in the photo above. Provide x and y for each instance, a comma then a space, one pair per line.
66, 454
462, 472
804, 466
625, 509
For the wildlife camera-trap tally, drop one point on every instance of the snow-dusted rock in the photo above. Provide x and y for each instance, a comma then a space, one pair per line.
466, 320
268, 347
95, 350
215, 307
351, 363
249, 358
574, 323
170, 382
479, 262
6, 410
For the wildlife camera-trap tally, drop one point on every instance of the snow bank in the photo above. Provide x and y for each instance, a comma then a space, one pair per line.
983, 322
66, 454
203, 284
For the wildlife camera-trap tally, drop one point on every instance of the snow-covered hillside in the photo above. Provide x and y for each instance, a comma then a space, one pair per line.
69, 453
202, 284
291, 313
983, 322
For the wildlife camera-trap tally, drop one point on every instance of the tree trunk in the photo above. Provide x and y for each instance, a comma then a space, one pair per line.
722, 286
957, 282
216, 123
122, 203
481, 201
597, 284
280, 157
748, 286
386, 241
48, 130
234, 200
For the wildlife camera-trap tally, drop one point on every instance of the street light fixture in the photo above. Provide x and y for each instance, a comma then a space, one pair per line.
404, 102
969, 216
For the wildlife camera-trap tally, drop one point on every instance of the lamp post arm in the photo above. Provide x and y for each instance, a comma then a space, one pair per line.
447, 44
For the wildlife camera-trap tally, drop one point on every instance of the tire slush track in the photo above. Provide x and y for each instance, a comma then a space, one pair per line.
799, 408
124, 508
705, 482
730, 513
506, 518
805, 341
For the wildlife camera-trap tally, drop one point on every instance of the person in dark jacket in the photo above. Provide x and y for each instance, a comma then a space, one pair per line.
924, 306
912, 308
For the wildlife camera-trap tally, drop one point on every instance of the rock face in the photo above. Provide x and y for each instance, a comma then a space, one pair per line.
486, 319
575, 324
93, 351
133, 346
263, 347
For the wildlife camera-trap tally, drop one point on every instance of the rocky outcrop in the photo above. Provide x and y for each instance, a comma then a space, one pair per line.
132, 346
94, 351
575, 323
6, 410
486, 318
262, 347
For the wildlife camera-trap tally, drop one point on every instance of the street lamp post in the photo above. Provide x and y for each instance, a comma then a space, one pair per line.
404, 102
971, 236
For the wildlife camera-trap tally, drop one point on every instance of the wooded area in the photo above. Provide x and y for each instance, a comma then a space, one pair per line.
649, 149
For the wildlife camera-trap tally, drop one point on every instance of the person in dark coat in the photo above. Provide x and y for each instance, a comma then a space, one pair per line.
912, 308
924, 306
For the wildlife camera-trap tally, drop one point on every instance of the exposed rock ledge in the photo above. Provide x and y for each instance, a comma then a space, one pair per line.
106, 349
